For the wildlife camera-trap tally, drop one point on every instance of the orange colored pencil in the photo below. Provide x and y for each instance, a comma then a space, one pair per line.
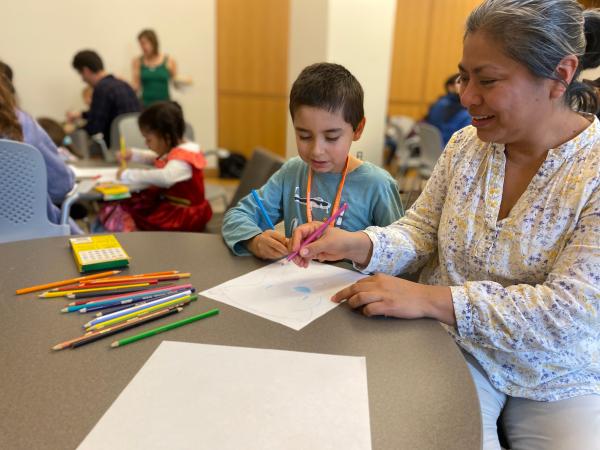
54, 284
176, 276
116, 284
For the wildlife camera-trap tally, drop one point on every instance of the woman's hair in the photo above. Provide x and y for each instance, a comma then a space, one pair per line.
164, 119
10, 128
539, 34
150, 36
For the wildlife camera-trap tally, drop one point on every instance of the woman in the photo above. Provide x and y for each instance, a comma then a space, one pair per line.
153, 70
507, 229
19, 126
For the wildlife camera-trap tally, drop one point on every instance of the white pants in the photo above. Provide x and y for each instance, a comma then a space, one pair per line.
572, 424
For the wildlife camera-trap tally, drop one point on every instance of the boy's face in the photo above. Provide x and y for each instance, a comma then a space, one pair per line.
324, 138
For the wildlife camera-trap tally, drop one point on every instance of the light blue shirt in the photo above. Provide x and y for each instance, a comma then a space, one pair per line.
371, 193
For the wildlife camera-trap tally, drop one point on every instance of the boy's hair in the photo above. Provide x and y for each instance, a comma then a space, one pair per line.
331, 87
150, 36
164, 119
450, 81
89, 59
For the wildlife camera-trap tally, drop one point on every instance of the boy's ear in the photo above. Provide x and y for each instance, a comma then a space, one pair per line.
359, 129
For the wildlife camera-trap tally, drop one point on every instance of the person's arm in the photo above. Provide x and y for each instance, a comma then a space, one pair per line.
244, 221
98, 115
172, 67
548, 317
136, 75
143, 156
175, 171
60, 178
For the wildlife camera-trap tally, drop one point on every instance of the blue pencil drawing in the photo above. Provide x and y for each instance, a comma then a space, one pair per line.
285, 293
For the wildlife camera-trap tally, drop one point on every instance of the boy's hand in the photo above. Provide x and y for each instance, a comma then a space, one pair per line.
268, 245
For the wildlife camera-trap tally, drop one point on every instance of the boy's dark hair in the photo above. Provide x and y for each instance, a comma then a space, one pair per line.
89, 59
164, 119
450, 81
150, 36
331, 87
53, 130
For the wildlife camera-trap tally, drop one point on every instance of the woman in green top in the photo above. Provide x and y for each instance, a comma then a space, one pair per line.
153, 70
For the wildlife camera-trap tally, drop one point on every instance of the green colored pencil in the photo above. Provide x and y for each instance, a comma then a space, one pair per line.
167, 327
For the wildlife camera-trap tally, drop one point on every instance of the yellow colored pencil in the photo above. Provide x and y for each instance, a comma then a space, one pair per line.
173, 302
49, 294
123, 153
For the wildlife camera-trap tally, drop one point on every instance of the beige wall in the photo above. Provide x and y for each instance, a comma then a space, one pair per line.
39, 39
358, 35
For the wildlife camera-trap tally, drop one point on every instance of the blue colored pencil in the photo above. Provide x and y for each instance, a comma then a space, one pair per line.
129, 298
107, 309
262, 209
135, 308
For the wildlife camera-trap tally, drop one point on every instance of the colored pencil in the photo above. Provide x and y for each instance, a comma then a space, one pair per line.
262, 209
176, 276
127, 298
123, 153
114, 284
102, 310
116, 328
166, 290
132, 323
54, 284
174, 302
49, 294
137, 337
318, 232
94, 294
135, 308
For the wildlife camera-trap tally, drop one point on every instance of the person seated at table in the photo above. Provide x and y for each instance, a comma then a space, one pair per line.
111, 96
326, 105
447, 114
17, 125
507, 230
174, 199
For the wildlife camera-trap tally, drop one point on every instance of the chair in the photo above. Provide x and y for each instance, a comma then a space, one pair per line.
126, 125
81, 143
260, 167
24, 194
431, 148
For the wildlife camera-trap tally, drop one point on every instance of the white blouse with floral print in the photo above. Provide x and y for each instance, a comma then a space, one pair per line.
526, 289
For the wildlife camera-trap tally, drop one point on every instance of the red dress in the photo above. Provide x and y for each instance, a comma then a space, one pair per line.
182, 207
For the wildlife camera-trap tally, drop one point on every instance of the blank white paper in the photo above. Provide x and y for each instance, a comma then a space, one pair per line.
196, 396
285, 293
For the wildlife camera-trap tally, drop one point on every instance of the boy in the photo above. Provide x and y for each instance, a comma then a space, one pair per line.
326, 105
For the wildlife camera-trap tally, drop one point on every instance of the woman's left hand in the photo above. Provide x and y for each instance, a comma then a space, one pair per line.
390, 296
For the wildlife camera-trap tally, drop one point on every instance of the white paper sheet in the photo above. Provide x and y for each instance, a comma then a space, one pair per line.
196, 396
106, 174
285, 293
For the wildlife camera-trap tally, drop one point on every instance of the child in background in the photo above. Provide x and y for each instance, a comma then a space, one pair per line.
326, 105
174, 199
59, 137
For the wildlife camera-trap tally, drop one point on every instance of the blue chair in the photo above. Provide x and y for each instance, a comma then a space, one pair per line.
24, 194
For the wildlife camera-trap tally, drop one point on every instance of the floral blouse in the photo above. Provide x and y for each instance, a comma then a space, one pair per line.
525, 289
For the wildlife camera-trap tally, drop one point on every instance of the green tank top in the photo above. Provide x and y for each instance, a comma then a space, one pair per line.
155, 82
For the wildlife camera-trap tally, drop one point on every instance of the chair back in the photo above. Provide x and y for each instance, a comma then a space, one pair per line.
24, 194
258, 170
80, 141
127, 125
431, 146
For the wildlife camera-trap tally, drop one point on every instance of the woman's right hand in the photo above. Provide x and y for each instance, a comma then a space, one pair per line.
333, 245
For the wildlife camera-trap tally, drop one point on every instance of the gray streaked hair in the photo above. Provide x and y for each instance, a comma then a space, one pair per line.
539, 34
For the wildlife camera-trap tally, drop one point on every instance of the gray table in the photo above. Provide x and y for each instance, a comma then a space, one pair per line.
420, 393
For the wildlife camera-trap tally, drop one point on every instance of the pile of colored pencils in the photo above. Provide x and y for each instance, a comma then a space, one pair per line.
122, 302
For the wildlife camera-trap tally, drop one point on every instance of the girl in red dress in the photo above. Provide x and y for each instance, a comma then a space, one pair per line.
174, 198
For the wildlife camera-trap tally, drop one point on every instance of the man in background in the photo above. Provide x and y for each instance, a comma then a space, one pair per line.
111, 98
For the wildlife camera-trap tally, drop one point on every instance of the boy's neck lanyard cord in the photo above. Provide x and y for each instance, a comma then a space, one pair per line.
338, 195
